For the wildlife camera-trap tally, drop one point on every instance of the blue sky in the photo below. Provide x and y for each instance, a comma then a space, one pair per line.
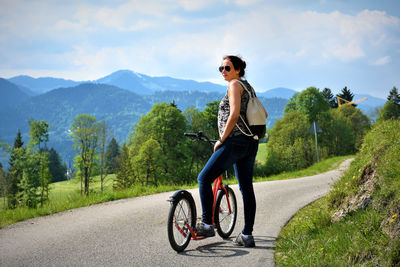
293, 44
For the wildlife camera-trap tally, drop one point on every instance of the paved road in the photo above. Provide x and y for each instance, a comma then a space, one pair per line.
133, 232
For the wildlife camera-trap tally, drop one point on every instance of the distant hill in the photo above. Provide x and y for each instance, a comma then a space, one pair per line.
43, 84
59, 107
125, 79
279, 92
370, 106
10, 94
371, 101
143, 84
128, 80
119, 107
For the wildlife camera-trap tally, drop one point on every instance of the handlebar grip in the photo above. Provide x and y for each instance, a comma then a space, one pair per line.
190, 134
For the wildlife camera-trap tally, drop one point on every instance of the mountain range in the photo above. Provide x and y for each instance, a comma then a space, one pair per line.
120, 99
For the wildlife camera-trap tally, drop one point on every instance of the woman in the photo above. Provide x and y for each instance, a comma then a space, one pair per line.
234, 147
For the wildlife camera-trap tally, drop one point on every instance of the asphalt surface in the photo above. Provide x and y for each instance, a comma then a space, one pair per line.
133, 232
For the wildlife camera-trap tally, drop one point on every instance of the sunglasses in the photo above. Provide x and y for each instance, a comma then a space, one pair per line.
227, 68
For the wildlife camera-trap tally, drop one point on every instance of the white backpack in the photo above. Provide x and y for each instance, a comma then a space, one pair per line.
255, 116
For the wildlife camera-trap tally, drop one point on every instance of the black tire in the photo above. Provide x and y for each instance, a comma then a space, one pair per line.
182, 210
225, 221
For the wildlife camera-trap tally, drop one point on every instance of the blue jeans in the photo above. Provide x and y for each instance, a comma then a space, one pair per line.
240, 151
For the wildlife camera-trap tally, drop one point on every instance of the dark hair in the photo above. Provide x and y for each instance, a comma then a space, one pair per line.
238, 63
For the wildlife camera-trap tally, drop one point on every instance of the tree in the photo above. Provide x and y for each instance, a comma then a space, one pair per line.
337, 137
210, 114
15, 170
57, 169
356, 120
310, 102
148, 167
44, 178
36, 175
290, 146
390, 111
346, 94
124, 174
85, 132
327, 93
38, 132
394, 96
102, 143
199, 152
166, 125
3, 184
111, 156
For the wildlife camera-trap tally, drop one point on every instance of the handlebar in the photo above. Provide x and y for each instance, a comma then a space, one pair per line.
200, 136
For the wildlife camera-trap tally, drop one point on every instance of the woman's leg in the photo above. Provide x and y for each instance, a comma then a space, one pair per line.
244, 172
232, 150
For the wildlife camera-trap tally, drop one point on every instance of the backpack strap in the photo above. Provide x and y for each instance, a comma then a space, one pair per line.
245, 124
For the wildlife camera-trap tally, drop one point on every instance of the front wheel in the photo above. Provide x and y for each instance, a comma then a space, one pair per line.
225, 212
182, 215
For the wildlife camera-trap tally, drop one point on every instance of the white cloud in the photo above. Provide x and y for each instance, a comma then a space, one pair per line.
288, 35
382, 61
181, 39
247, 2
191, 5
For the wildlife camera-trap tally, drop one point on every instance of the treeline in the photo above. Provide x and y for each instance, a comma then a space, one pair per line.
292, 142
31, 168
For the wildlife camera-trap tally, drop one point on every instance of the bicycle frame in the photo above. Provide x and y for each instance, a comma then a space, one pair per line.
218, 185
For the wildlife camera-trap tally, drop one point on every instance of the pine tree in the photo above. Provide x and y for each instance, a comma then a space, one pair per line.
112, 154
56, 168
394, 96
124, 175
346, 94
15, 171
327, 93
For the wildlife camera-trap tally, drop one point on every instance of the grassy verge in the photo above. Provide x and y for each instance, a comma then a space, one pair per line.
368, 196
66, 195
320, 167
69, 197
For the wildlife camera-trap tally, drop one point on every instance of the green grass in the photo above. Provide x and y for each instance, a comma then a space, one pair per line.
66, 195
364, 237
262, 153
320, 167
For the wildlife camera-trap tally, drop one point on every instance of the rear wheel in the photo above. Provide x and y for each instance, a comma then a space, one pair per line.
181, 214
225, 218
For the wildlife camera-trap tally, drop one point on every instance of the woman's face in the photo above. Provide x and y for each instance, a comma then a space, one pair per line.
232, 73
